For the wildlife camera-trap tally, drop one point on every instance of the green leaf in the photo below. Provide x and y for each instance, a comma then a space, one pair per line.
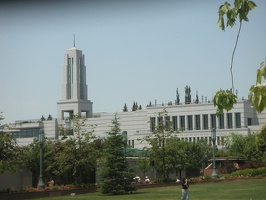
251, 5
220, 23
259, 76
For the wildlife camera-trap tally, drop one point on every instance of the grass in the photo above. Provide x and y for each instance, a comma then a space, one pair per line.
228, 190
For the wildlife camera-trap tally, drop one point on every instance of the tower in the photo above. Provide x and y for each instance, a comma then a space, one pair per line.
74, 90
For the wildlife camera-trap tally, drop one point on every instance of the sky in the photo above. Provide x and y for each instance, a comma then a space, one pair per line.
141, 50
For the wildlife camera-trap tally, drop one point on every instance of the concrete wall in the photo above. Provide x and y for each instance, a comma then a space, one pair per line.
14, 181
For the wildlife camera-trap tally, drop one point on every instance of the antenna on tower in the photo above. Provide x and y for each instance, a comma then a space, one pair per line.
74, 41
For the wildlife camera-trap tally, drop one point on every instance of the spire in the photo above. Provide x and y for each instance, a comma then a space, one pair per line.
74, 41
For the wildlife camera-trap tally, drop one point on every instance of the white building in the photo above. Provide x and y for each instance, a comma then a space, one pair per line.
194, 120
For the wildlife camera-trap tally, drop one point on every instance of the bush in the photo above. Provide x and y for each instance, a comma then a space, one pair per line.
245, 173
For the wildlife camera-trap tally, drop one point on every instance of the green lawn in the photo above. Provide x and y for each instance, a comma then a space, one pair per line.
230, 190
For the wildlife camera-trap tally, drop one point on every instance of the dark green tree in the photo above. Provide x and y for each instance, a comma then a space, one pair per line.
125, 108
140, 107
49, 117
242, 146
134, 106
43, 118
261, 140
9, 150
177, 97
187, 95
113, 169
197, 98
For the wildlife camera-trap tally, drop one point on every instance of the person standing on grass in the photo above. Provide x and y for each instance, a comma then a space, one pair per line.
185, 187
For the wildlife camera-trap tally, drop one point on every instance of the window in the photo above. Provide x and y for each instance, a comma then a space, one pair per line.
81, 79
205, 122
218, 141
69, 78
152, 124
238, 120
132, 145
249, 121
167, 123
213, 120
190, 122
197, 122
27, 133
160, 122
229, 120
182, 122
221, 121
15, 134
174, 120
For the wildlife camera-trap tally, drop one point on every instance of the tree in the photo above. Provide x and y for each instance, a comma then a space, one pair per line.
43, 118
187, 95
125, 108
134, 108
225, 99
177, 97
183, 155
9, 151
257, 93
113, 170
243, 147
144, 162
197, 98
158, 141
261, 142
49, 117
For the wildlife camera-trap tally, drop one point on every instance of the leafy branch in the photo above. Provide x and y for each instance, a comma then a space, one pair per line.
224, 100
257, 93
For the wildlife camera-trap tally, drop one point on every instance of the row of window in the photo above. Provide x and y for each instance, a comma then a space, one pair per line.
219, 140
27, 133
197, 122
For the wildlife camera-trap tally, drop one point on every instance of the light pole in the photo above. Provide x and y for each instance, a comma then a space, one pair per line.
41, 184
213, 137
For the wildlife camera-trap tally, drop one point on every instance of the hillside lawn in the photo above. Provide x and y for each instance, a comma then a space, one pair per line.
239, 189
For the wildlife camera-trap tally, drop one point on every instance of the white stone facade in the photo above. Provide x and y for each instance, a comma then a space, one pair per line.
191, 122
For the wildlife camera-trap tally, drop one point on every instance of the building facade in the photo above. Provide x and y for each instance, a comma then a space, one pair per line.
191, 122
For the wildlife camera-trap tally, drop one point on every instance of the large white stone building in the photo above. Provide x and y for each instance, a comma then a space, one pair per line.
193, 121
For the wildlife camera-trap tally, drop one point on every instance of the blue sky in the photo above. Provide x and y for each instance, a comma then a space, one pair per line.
135, 51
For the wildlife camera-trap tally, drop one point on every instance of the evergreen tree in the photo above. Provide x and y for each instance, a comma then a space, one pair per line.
49, 117
197, 98
187, 95
113, 170
177, 97
125, 108
140, 108
43, 118
133, 107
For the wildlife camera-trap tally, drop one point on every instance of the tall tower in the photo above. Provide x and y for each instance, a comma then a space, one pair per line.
74, 91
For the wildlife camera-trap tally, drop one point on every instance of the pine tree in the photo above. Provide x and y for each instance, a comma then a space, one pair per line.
134, 106
125, 108
197, 98
177, 97
49, 117
116, 178
43, 118
187, 95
